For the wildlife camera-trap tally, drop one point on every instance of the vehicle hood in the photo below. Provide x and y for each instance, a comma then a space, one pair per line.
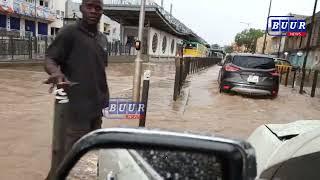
277, 143
290, 130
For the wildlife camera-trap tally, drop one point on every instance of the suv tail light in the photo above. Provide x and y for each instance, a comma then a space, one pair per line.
231, 68
274, 73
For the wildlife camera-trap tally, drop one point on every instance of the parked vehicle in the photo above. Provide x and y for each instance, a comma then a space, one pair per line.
251, 74
284, 65
195, 49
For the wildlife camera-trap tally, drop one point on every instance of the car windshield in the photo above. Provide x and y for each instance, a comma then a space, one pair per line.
253, 62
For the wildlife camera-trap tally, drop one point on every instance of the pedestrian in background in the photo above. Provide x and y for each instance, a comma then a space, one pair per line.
76, 62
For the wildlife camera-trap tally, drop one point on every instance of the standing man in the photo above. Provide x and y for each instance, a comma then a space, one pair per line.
76, 63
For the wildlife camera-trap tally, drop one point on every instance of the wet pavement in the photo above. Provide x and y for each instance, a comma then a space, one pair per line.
26, 112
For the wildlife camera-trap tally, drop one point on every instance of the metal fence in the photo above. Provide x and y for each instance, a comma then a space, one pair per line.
187, 66
23, 48
27, 48
293, 77
118, 49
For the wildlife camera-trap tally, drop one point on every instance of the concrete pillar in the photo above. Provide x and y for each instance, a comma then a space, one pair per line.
22, 27
149, 45
122, 38
36, 27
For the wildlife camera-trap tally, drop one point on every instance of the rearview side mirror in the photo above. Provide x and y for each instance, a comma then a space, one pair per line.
151, 154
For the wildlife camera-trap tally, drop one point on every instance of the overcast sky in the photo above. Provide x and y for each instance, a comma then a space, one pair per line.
218, 21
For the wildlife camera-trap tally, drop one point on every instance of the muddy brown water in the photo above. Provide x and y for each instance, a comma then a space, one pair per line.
26, 112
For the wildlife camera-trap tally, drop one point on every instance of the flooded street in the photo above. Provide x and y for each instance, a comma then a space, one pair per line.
26, 111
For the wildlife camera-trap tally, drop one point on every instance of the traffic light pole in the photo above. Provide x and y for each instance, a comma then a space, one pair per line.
265, 33
138, 60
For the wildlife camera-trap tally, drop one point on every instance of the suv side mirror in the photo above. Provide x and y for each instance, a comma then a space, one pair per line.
151, 154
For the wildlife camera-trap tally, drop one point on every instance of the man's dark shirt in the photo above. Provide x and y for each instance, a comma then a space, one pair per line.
82, 57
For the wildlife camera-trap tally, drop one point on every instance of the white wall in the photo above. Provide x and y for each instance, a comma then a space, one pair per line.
73, 7
161, 35
61, 6
114, 28
22, 27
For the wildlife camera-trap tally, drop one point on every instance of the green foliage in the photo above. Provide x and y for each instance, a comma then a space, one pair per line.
248, 38
228, 49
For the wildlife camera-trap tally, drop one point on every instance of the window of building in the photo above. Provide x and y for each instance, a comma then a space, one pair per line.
3, 21
30, 26
42, 28
164, 44
14, 23
155, 42
52, 31
30, 1
62, 14
41, 3
46, 4
58, 12
172, 46
106, 28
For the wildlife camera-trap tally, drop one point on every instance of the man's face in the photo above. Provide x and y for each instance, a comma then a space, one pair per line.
91, 11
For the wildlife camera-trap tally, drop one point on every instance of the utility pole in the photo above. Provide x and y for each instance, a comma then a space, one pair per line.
265, 33
35, 12
138, 60
279, 49
308, 47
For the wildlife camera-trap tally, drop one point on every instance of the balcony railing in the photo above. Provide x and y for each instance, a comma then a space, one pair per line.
179, 26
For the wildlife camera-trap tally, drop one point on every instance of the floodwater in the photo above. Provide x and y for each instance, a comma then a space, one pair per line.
26, 112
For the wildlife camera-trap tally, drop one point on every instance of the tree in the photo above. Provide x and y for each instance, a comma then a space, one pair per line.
228, 49
248, 38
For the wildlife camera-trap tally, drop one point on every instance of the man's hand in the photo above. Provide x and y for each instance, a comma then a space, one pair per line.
57, 79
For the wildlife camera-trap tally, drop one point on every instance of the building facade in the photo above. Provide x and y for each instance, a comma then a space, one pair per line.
294, 48
110, 28
273, 46
45, 18
238, 49
59, 7
26, 17
297, 45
